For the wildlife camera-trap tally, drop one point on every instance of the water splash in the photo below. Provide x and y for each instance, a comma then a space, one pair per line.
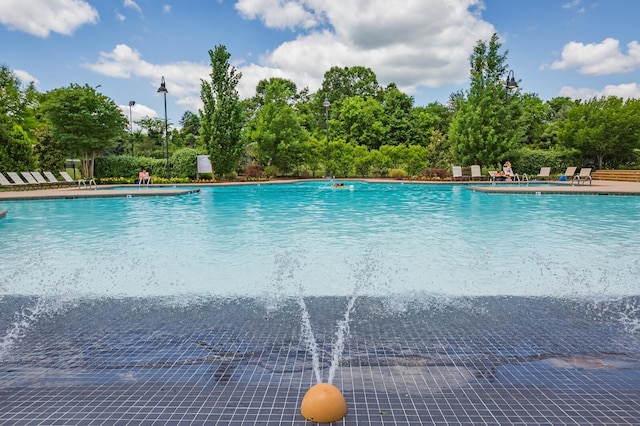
24, 321
363, 278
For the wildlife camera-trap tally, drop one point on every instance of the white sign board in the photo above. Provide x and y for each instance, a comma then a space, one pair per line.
204, 164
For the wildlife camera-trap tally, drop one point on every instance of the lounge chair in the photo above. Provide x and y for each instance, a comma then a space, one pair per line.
514, 176
54, 180
568, 174
42, 181
476, 172
583, 176
80, 182
457, 173
67, 178
16, 178
29, 178
544, 173
5, 182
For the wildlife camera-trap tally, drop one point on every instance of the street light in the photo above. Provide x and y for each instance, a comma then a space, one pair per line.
131, 103
510, 84
326, 104
163, 89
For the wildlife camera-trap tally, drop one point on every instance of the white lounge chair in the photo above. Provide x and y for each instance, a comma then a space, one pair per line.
16, 178
5, 182
514, 176
457, 173
568, 174
29, 178
544, 173
476, 172
54, 180
81, 182
583, 176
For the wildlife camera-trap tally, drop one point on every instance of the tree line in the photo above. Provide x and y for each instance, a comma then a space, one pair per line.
351, 126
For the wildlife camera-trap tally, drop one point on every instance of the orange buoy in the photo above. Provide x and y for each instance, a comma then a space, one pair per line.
323, 403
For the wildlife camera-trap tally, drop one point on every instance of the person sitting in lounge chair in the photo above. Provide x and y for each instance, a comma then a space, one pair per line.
143, 177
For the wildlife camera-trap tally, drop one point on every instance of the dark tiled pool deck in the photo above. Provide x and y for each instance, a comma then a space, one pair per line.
470, 361
465, 361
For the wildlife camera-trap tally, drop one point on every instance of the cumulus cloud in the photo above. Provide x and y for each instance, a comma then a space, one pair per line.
278, 13
25, 77
183, 78
624, 91
41, 17
138, 112
424, 43
599, 59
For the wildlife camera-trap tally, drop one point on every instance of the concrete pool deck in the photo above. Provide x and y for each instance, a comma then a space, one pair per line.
598, 187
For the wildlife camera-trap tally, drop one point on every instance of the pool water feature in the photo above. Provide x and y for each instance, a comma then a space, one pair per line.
422, 303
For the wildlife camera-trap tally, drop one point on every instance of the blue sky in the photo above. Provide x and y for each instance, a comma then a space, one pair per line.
575, 48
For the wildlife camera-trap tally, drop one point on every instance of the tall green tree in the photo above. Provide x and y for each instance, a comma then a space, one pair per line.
485, 126
222, 116
84, 121
17, 121
397, 117
276, 129
361, 122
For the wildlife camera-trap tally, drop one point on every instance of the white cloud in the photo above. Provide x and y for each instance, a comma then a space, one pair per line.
138, 111
166, 9
132, 5
599, 59
625, 91
182, 78
120, 17
423, 43
41, 17
278, 13
25, 77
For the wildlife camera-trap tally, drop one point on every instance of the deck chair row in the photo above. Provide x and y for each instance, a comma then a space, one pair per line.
32, 179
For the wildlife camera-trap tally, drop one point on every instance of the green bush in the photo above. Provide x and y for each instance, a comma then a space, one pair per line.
397, 173
530, 161
184, 163
114, 166
271, 171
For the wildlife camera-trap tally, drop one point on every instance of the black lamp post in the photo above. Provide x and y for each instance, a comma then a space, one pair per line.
163, 89
510, 84
131, 103
326, 104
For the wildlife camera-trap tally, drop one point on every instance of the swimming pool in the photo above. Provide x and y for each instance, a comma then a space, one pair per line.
428, 239
186, 308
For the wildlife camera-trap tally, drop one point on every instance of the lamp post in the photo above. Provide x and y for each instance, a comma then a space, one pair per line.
163, 89
326, 104
510, 84
131, 103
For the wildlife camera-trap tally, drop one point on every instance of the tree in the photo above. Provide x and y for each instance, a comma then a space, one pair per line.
604, 128
276, 129
397, 117
17, 122
222, 116
84, 121
361, 122
190, 124
485, 126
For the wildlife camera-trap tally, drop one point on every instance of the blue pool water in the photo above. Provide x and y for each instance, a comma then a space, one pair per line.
427, 304
440, 239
